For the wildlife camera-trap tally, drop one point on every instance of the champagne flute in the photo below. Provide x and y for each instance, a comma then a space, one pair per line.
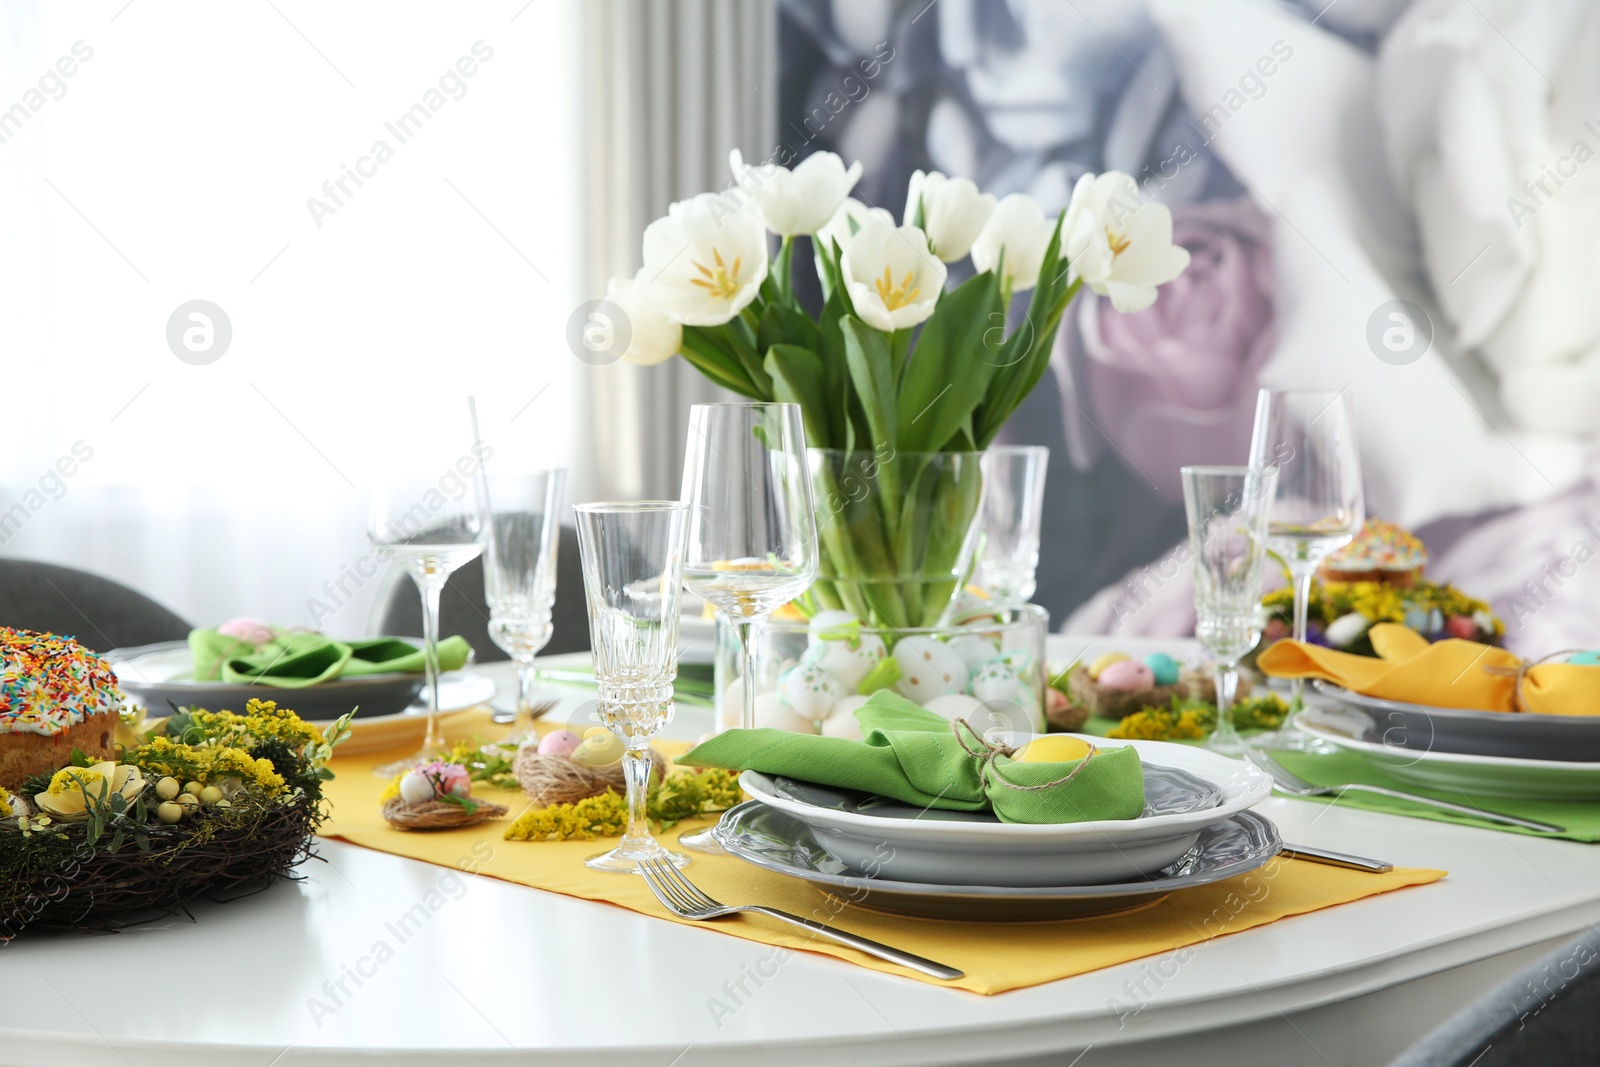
752, 539
1227, 511
519, 572
1013, 505
632, 557
1310, 436
429, 523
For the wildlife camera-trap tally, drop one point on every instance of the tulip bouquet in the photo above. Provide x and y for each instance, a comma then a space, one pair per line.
902, 382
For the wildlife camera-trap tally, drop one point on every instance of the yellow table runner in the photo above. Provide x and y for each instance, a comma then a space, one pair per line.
995, 956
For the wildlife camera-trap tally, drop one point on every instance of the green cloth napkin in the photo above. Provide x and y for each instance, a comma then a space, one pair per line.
294, 659
914, 756
1581, 818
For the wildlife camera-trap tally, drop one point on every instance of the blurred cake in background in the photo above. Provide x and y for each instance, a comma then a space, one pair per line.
1382, 552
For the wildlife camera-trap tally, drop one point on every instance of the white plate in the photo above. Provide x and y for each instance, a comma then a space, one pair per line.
1019, 854
1497, 776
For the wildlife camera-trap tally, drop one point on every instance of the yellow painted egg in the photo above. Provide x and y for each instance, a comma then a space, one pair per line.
1053, 748
600, 749
1105, 661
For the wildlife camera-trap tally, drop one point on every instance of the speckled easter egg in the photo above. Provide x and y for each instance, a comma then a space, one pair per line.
841, 721
773, 714
1102, 662
928, 669
1021, 661
995, 680
824, 621
974, 651
1127, 675
1163, 668
810, 692
955, 706
846, 659
559, 743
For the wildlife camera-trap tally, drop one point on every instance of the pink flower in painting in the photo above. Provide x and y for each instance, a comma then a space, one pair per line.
1175, 384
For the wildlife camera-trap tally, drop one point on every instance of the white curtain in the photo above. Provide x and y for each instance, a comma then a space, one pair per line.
667, 89
178, 160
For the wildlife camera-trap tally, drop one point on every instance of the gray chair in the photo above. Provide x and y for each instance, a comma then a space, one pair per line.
1548, 1015
464, 610
97, 611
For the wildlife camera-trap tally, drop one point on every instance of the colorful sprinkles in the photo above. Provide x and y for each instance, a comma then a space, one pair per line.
1380, 546
48, 683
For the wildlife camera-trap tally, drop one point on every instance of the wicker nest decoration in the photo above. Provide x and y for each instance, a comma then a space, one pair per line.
121, 858
437, 815
1193, 684
558, 780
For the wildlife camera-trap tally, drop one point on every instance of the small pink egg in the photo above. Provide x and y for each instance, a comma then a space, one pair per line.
1127, 675
559, 743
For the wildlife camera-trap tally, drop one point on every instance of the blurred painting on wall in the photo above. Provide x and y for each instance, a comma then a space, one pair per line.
1311, 159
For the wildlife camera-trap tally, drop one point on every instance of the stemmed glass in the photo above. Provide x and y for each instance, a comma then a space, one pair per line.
752, 540
430, 524
1227, 509
1013, 503
519, 571
1310, 436
632, 557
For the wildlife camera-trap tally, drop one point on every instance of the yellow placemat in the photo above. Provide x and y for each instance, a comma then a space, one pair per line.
995, 956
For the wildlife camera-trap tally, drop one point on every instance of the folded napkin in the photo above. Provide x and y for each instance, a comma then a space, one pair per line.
294, 659
918, 757
1444, 674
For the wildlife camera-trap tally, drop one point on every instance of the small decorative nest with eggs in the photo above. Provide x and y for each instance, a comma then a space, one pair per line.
436, 795
1115, 686
564, 768
206, 804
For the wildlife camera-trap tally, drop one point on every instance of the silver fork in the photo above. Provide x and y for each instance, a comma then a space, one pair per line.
1291, 783
537, 711
685, 900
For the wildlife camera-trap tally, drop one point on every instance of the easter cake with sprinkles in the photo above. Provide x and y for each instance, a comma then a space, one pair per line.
55, 696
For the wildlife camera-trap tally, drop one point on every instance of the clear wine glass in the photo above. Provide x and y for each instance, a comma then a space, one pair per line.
633, 556
1309, 435
1227, 510
521, 538
1013, 504
429, 523
752, 539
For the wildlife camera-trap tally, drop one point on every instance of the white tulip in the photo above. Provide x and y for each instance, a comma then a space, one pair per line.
799, 201
953, 212
706, 260
653, 336
1119, 244
1017, 227
893, 280
839, 228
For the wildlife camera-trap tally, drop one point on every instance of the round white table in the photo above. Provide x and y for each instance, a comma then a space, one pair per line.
502, 973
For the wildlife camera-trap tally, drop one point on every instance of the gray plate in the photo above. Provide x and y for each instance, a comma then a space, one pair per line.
777, 842
1401, 726
160, 677
1167, 791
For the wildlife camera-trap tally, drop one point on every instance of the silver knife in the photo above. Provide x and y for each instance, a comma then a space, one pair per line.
1336, 859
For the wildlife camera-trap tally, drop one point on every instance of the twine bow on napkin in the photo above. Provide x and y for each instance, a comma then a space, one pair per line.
917, 757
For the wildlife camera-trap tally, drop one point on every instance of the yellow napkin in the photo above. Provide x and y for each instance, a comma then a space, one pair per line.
1445, 674
995, 956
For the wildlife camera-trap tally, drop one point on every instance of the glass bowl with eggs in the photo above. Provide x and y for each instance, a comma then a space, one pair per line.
810, 675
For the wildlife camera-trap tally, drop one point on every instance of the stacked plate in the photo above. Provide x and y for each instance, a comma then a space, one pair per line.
1551, 757
161, 677
1196, 829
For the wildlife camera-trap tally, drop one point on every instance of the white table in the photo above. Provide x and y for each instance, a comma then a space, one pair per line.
507, 974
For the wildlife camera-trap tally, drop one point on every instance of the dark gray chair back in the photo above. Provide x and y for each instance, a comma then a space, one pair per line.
99, 612
1548, 1015
464, 610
